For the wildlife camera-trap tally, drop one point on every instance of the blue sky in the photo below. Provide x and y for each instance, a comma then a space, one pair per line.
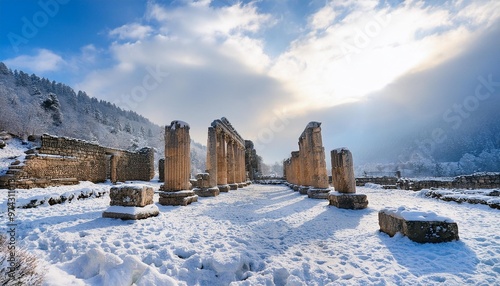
270, 67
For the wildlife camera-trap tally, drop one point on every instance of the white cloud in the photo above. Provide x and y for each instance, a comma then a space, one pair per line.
217, 64
132, 31
43, 61
369, 48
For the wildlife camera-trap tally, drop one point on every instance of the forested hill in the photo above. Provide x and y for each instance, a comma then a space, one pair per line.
33, 105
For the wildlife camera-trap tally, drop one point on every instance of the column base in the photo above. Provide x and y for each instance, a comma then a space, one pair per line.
303, 190
318, 193
131, 213
223, 188
350, 201
241, 185
179, 198
295, 188
233, 187
207, 192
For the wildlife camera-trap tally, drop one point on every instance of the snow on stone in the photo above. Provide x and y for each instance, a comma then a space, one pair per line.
149, 209
258, 235
14, 150
414, 214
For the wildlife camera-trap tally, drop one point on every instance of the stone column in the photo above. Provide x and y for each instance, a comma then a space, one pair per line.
241, 166
222, 162
176, 189
206, 183
231, 165
212, 157
343, 171
318, 177
296, 170
305, 168
344, 182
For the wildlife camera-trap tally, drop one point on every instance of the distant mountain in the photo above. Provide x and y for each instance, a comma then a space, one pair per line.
33, 105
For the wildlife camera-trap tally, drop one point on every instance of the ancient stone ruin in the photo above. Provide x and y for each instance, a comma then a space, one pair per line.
418, 226
225, 157
176, 189
345, 196
131, 202
63, 161
306, 169
252, 165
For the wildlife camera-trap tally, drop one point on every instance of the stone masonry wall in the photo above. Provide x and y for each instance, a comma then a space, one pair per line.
62, 161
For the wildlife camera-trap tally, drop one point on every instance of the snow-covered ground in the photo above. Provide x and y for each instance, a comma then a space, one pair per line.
258, 235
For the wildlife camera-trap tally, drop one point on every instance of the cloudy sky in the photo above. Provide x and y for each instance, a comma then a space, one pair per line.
373, 72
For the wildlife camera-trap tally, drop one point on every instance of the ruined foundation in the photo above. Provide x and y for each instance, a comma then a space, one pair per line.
203, 188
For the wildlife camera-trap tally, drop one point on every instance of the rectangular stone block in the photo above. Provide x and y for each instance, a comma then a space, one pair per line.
131, 213
180, 198
348, 201
421, 227
131, 195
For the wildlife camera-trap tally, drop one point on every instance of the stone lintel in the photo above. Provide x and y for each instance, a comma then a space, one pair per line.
348, 201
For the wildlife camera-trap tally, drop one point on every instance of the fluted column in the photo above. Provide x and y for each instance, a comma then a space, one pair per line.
212, 151
177, 157
176, 188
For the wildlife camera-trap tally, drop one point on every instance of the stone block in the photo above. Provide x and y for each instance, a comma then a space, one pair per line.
131, 195
303, 190
207, 192
241, 185
348, 201
131, 213
421, 227
314, 193
223, 188
179, 198
233, 187
203, 180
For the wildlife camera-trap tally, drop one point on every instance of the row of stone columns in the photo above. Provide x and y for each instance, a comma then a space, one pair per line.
306, 169
225, 157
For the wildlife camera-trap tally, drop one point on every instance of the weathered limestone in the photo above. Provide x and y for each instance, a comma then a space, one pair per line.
60, 161
206, 185
161, 170
306, 169
131, 202
343, 180
343, 171
228, 163
203, 186
177, 189
421, 227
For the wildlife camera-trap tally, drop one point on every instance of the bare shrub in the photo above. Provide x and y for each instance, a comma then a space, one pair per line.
17, 267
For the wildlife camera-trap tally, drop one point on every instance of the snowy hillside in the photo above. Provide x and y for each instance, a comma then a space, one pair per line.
34, 105
259, 235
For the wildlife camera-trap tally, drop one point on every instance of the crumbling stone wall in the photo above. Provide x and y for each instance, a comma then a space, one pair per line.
474, 181
60, 161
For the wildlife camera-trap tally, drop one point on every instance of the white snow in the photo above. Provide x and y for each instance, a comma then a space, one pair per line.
415, 214
149, 209
14, 150
258, 235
